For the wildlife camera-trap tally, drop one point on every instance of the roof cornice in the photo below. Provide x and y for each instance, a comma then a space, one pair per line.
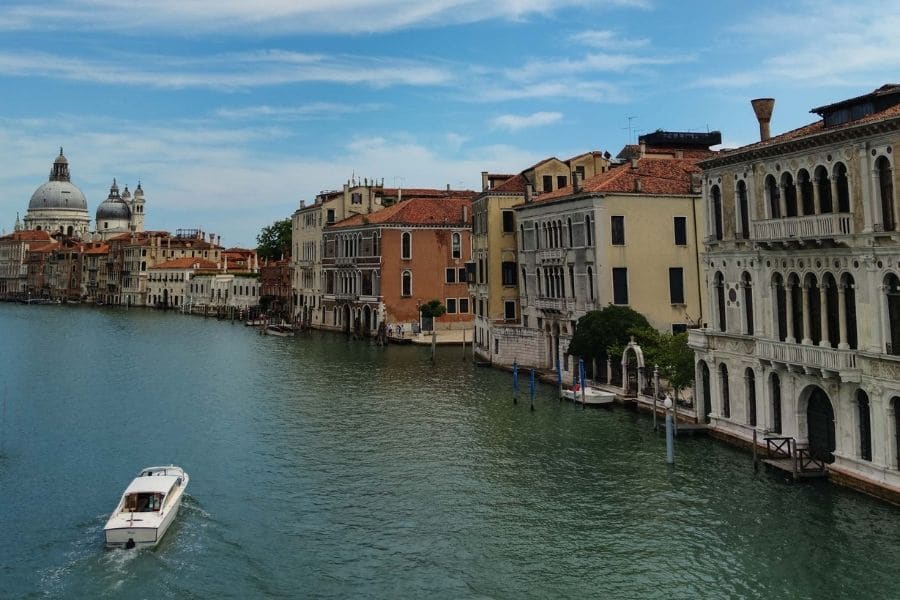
808, 142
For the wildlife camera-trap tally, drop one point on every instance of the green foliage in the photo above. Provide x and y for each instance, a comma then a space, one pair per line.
670, 353
433, 308
275, 240
602, 334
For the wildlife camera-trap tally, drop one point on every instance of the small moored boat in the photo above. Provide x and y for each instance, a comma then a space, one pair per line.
280, 330
147, 507
590, 396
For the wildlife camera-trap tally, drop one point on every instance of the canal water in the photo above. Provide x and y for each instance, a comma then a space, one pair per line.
325, 468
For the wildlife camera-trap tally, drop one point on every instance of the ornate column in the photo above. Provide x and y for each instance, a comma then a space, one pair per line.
807, 317
782, 199
789, 312
842, 317
823, 315
817, 201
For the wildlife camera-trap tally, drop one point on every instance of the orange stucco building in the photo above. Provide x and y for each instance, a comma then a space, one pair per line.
382, 267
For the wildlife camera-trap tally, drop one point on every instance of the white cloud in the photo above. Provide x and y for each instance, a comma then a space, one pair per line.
276, 16
225, 71
817, 43
607, 40
310, 110
517, 122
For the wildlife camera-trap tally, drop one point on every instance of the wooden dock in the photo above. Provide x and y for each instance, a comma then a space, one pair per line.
786, 466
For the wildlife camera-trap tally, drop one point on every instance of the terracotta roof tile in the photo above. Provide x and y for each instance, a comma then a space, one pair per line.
187, 263
515, 184
416, 211
27, 235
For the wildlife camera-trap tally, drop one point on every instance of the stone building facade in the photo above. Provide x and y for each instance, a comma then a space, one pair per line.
803, 264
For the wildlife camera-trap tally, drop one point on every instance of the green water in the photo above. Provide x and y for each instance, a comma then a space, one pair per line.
324, 468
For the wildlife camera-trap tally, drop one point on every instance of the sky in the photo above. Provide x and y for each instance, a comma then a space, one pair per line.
232, 112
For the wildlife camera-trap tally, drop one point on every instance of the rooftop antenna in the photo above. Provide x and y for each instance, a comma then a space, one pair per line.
631, 127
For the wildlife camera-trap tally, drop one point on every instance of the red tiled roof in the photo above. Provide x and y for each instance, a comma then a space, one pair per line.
416, 211
46, 247
657, 176
428, 193
188, 263
28, 235
812, 129
515, 184
99, 249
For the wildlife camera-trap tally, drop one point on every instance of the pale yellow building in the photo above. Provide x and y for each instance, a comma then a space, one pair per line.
494, 277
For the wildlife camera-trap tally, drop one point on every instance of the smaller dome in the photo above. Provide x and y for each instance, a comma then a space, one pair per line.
113, 208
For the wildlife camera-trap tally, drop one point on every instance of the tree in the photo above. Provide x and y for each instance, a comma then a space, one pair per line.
671, 354
275, 240
601, 334
433, 309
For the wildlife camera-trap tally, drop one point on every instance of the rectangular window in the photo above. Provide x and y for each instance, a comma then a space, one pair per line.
470, 272
525, 321
329, 219
681, 231
509, 273
356, 198
481, 275
509, 225
620, 285
463, 305
450, 275
617, 233
548, 183
509, 310
462, 278
679, 328
451, 306
561, 181
676, 285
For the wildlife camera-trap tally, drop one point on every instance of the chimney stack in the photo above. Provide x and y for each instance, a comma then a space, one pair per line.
529, 193
576, 182
634, 163
763, 109
484, 181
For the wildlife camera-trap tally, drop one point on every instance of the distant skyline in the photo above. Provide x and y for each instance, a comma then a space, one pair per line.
232, 112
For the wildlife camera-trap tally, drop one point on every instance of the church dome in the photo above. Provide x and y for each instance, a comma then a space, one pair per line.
59, 192
113, 208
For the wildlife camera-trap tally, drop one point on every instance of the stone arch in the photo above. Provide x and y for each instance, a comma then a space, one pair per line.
633, 368
790, 194
779, 312
822, 181
864, 424
891, 287
847, 289
743, 209
773, 197
805, 189
750, 395
841, 187
885, 187
705, 405
716, 206
724, 390
775, 403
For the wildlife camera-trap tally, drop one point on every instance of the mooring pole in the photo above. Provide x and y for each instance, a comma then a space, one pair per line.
464, 346
670, 441
755, 451
433, 344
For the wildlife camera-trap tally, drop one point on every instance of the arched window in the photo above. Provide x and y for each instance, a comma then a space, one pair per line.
750, 380
795, 296
456, 249
806, 192
790, 195
572, 280
590, 278
522, 236
892, 298
569, 230
406, 245
375, 244
588, 231
848, 287
719, 285
842, 185
716, 195
865, 425
406, 285
537, 237
726, 394
813, 308
775, 395
540, 282
747, 288
886, 193
823, 183
780, 299
143, 265
831, 333
773, 197
524, 282
743, 209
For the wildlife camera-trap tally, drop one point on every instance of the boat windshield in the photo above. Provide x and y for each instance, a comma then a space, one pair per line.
143, 502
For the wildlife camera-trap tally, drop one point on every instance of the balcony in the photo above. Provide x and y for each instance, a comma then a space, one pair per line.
797, 229
557, 305
805, 357
554, 256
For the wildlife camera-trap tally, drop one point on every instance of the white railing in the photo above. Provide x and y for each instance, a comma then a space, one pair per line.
806, 356
697, 339
559, 304
552, 255
810, 226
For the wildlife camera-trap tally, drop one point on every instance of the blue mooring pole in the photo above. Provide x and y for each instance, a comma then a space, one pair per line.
533, 389
670, 441
515, 383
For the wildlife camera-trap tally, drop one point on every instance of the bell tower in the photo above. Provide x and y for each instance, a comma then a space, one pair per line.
137, 208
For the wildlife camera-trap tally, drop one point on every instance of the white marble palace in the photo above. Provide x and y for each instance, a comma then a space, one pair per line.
803, 277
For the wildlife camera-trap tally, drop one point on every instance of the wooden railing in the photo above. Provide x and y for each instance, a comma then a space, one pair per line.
779, 447
809, 462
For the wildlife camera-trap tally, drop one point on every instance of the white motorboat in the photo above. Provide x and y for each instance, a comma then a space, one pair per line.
280, 330
147, 507
591, 396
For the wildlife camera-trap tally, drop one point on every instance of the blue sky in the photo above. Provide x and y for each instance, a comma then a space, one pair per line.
230, 111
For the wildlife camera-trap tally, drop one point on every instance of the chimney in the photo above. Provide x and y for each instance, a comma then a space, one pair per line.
529, 192
637, 185
448, 187
634, 163
679, 154
576, 182
763, 109
465, 214
643, 147
484, 181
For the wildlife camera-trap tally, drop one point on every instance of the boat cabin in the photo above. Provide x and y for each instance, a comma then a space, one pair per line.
143, 502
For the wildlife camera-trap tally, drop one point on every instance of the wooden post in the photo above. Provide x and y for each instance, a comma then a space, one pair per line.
433, 344
464, 346
755, 452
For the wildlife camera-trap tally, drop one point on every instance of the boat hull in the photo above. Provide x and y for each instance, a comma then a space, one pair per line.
145, 528
143, 536
591, 397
